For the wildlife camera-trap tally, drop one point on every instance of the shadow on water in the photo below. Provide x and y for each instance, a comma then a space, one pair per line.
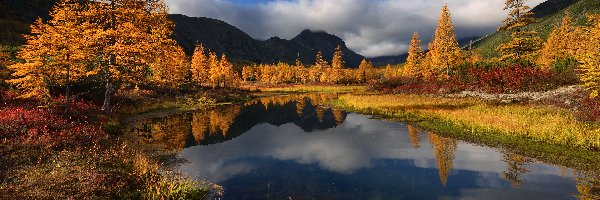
294, 147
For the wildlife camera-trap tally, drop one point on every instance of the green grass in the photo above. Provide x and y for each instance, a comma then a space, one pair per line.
543, 132
487, 47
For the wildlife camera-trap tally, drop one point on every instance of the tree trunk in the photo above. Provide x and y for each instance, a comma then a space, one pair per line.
108, 94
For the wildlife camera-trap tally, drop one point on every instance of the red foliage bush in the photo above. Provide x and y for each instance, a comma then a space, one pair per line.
51, 126
491, 79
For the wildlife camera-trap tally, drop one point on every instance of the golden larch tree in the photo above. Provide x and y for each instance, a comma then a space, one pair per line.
414, 62
337, 64
561, 44
588, 55
524, 43
444, 52
55, 52
199, 68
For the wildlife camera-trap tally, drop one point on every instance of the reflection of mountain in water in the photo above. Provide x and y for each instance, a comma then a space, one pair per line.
225, 123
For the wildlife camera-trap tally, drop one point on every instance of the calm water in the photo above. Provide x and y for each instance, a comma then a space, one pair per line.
293, 148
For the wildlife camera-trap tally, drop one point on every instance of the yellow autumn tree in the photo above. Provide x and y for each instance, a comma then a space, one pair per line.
560, 45
588, 56
228, 78
214, 70
337, 66
316, 71
117, 40
365, 72
414, 62
248, 73
199, 68
172, 69
444, 52
524, 43
55, 52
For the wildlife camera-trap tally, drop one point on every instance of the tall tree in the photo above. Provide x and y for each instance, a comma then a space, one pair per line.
316, 70
588, 55
337, 64
119, 40
414, 62
524, 43
199, 68
55, 52
560, 45
444, 52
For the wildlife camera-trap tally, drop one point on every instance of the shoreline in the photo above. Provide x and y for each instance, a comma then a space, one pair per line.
468, 119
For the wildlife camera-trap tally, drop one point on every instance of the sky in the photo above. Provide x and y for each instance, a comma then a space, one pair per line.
370, 27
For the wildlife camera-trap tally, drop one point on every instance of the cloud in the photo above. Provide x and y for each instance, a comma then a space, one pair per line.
370, 27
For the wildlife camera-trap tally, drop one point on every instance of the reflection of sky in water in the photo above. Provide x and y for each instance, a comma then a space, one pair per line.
361, 159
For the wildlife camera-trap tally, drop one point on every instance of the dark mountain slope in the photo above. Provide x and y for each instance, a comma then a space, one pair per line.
222, 37
17, 15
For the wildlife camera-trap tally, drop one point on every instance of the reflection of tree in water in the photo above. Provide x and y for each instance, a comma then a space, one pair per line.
588, 186
170, 131
227, 122
515, 167
415, 136
444, 149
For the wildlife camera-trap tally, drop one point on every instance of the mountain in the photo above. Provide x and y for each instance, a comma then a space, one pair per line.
16, 15
550, 13
222, 37
326, 43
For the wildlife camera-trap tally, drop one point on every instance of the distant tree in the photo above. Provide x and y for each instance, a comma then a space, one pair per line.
337, 64
248, 73
524, 43
444, 52
414, 62
214, 70
172, 69
228, 78
316, 70
199, 68
561, 44
588, 55
365, 72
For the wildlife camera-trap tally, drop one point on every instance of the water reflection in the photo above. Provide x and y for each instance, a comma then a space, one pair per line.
294, 147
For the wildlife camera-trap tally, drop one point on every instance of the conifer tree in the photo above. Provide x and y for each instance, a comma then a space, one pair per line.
119, 40
524, 43
589, 56
337, 64
316, 70
560, 45
444, 52
214, 71
55, 53
199, 67
172, 69
414, 62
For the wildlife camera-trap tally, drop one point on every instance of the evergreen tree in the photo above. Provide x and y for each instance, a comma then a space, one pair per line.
414, 62
524, 43
444, 52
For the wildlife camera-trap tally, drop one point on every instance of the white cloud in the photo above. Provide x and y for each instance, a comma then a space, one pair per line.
370, 27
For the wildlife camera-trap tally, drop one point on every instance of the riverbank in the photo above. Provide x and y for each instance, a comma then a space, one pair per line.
546, 132
56, 150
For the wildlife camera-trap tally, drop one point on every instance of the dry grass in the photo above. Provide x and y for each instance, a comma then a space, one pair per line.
537, 122
314, 88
